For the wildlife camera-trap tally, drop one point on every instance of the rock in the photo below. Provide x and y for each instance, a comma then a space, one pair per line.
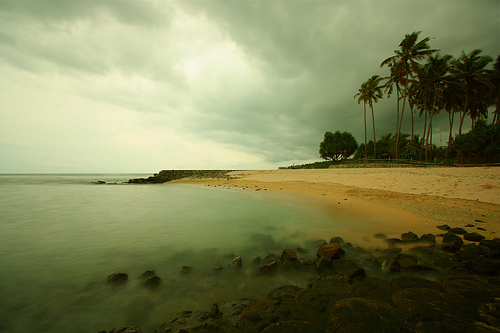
423, 304
470, 288
284, 294
314, 304
468, 225
428, 238
409, 237
214, 311
493, 244
364, 315
231, 311
380, 236
473, 237
319, 242
337, 240
482, 266
402, 262
258, 315
236, 263
458, 231
186, 269
293, 326
255, 260
332, 251
288, 255
372, 288
117, 278
269, 269
482, 229
452, 243
348, 268
126, 329
404, 282
443, 227
393, 241
152, 281
147, 273
269, 258
323, 264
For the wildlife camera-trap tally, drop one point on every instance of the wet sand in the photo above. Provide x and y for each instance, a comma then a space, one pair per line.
397, 199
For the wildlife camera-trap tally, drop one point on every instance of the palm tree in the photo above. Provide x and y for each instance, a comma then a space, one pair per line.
410, 51
469, 70
362, 97
495, 91
453, 100
432, 80
372, 91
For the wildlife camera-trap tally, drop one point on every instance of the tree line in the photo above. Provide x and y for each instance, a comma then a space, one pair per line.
426, 83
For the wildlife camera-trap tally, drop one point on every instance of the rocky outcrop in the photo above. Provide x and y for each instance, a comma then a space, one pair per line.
169, 175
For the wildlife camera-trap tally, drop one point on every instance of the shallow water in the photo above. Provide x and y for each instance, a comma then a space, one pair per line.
61, 236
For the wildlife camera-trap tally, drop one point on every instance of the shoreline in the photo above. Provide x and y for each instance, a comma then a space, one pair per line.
399, 199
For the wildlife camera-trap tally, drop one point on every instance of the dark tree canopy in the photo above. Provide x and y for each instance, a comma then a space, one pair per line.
337, 146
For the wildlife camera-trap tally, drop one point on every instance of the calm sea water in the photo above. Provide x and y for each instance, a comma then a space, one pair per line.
61, 236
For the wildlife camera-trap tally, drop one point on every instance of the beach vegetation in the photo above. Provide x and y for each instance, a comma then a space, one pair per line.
428, 83
337, 146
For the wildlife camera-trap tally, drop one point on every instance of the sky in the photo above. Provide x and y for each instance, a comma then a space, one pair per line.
141, 86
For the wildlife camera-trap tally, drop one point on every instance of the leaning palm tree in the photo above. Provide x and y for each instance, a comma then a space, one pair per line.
370, 92
495, 79
469, 70
410, 51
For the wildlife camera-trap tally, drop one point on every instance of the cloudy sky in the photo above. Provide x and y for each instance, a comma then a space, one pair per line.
140, 86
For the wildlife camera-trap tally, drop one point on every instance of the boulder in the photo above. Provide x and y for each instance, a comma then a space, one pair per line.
269, 258
236, 263
152, 281
288, 255
231, 311
284, 294
337, 240
269, 269
404, 282
473, 237
117, 278
364, 315
332, 251
452, 243
428, 238
409, 237
293, 326
482, 266
261, 314
126, 329
147, 273
470, 288
347, 268
458, 231
186, 269
443, 227
314, 304
372, 288
493, 244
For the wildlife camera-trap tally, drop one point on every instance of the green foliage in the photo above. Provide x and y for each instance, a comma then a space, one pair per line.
481, 144
337, 146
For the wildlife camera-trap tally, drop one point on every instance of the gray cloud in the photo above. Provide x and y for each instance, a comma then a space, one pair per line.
239, 84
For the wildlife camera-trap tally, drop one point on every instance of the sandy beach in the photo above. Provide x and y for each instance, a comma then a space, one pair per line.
399, 199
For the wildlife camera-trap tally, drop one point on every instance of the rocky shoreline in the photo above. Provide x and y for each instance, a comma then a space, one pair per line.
169, 175
433, 283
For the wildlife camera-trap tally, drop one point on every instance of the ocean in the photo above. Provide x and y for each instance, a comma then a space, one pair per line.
61, 236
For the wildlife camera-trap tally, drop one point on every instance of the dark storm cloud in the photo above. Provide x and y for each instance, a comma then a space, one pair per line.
264, 79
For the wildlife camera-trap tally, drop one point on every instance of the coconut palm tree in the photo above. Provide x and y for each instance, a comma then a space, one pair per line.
371, 92
362, 97
432, 80
469, 70
495, 91
407, 56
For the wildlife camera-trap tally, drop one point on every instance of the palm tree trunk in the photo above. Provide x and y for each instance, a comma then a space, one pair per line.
397, 121
374, 137
364, 109
464, 112
451, 116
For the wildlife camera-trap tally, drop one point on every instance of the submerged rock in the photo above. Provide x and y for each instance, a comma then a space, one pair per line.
237, 262
452, 243
332, 251
117, 278
409, 237
152, 281
288, 255
269, 269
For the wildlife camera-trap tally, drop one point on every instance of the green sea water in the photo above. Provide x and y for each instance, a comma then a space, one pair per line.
61, 236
